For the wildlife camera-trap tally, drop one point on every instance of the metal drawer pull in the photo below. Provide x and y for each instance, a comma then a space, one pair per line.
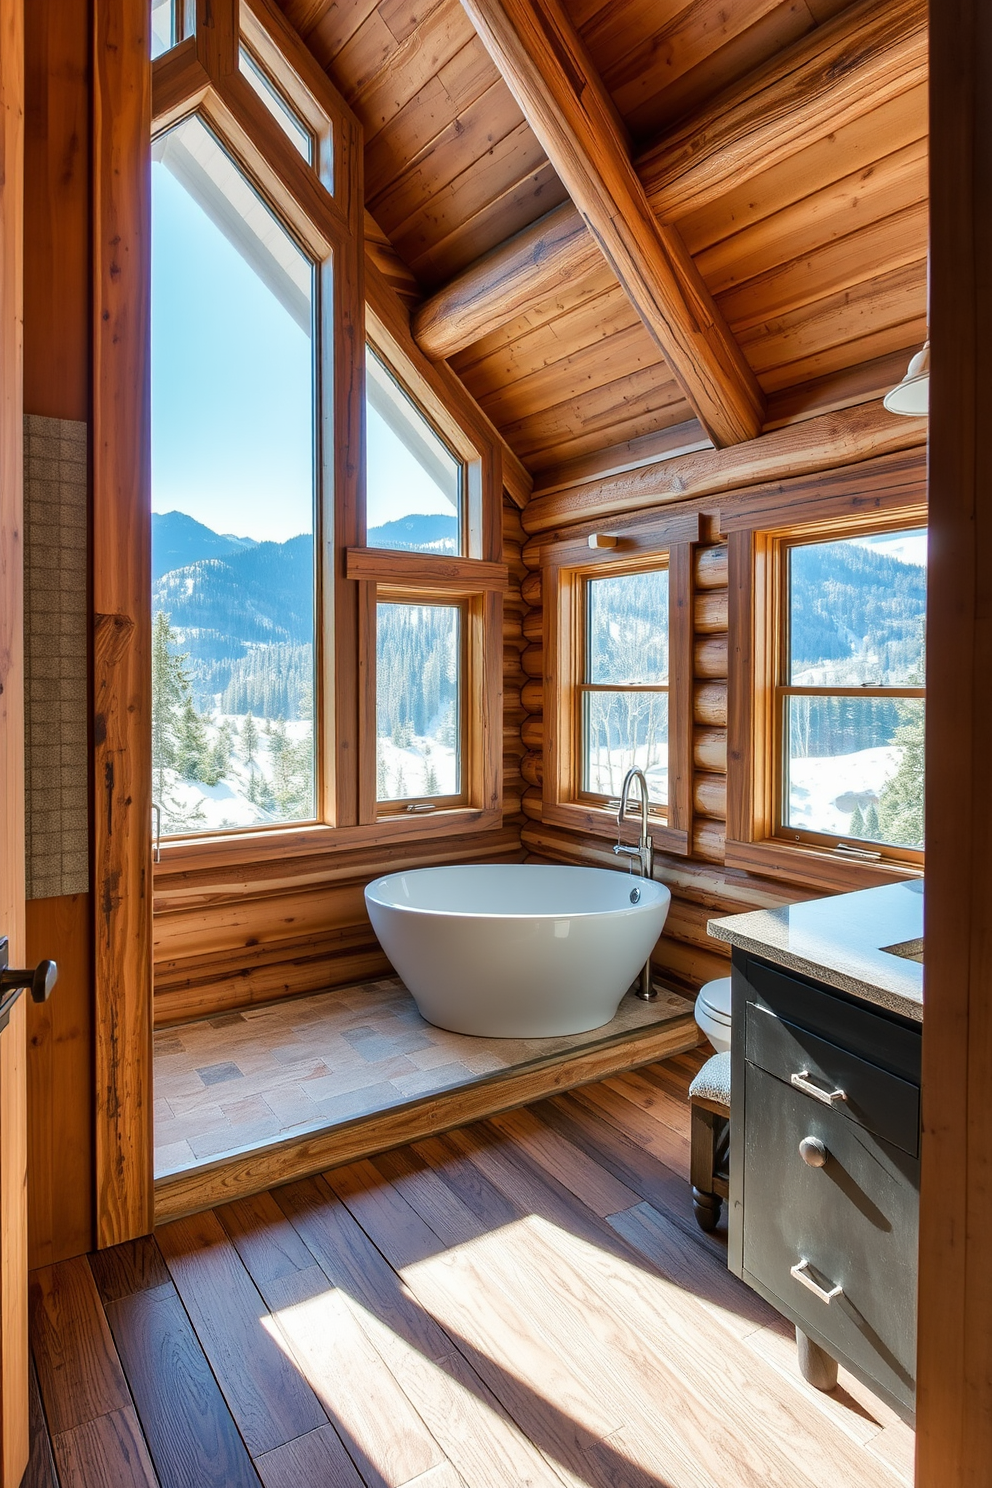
802, 1274
803, 1082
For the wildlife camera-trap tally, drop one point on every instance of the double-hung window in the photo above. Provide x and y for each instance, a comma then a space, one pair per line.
850, 695
618, 663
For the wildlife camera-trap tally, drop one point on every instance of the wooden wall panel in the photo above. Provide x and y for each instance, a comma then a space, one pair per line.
60, 1084
122, 610
13, 1109
57, 384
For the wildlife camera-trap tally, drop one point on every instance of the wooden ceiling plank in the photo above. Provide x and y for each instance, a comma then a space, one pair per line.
741, 55
325, 26
452, 89
585, 445
511, 210
835, 211
663, 53
862, 383
907, 335
597, 281
443, 33
513, 158
891, 243
469, 137
856, 148
552, 77
879, 301
815, 85
619, 355
813, 89
587, 324
600, 411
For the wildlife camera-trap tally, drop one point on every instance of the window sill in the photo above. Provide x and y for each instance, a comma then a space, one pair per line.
319, 839
601, 822
815, 867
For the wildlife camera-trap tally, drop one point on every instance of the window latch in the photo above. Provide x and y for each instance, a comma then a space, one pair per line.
857, 852
421, 806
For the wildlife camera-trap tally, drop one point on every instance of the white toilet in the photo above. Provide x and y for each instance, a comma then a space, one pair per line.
713, 1013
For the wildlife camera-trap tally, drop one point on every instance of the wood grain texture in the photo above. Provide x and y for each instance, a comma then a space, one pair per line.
824, 443
955, 1431
78, 1368
267, 1397
520, 1327
546, 66
59, 1084
840, 72
13, 1097
190, 1432
122, 620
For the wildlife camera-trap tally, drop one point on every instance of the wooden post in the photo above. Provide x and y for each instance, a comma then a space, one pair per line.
122, 619
954, 1397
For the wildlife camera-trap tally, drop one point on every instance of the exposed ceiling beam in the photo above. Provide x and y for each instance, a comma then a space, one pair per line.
545, 65
869, 53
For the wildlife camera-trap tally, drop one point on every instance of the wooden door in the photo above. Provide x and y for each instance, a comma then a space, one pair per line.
13, 1101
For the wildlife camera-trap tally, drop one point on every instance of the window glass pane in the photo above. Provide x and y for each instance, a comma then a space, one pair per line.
414, 481
628, 628
233, 480
281, 110
855, 767
163, 27
418, 701
857, 611
622, 729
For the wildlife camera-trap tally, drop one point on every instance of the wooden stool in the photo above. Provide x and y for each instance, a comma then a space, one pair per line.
709, 1098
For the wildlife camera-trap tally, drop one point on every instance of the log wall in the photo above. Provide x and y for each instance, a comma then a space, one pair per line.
702, 887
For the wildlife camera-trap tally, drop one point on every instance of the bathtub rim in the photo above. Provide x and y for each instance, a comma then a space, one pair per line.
521, 914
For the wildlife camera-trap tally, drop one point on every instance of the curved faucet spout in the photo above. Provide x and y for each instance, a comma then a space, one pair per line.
643, 853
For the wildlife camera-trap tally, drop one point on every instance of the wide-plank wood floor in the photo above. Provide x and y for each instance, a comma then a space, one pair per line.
523, 1301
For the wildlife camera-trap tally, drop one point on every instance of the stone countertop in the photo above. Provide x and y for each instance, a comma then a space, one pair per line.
841, 941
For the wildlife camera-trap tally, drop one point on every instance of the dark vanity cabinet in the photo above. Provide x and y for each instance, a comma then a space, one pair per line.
824, 1169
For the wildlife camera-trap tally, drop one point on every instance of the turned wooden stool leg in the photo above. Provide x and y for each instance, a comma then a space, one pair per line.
815, 1364
706, 1207
709, 1099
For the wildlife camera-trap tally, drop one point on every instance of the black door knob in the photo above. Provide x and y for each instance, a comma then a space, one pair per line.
813, 1151
41, 979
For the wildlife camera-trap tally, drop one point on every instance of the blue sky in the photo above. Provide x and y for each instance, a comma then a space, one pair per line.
232, 392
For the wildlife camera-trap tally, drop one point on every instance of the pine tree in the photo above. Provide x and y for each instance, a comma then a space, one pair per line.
170, 688
400, 790
430, 782
381, 779
191, 742
249, 738
873, 829
857, 827
900, 807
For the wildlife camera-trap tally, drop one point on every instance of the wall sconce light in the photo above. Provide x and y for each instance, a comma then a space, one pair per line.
912, 395
602, 540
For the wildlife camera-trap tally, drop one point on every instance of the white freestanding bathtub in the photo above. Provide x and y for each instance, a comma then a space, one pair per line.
517, 950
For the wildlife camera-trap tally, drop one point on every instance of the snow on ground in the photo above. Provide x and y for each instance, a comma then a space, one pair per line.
607, 768
421, 754
816, 784
226, 804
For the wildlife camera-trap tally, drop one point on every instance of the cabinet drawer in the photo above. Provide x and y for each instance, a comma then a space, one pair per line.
874, 1098
853, 1221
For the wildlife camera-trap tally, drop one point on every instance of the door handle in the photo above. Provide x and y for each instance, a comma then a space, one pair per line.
41, 979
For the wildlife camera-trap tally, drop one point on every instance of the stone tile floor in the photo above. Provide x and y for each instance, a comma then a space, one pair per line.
243, 1079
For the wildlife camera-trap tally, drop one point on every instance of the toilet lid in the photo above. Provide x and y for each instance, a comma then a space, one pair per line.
715, 997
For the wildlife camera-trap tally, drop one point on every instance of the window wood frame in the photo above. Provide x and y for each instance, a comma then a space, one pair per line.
756, 841
201, 75
566, 567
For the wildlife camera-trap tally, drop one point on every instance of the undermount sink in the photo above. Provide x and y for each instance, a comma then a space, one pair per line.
909, 950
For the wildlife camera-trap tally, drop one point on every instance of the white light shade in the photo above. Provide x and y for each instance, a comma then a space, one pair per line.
912, 396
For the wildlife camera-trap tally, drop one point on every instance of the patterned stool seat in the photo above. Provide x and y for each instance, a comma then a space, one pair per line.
709, 1098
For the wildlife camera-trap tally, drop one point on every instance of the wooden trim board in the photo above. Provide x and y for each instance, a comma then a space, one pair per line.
253, 1171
